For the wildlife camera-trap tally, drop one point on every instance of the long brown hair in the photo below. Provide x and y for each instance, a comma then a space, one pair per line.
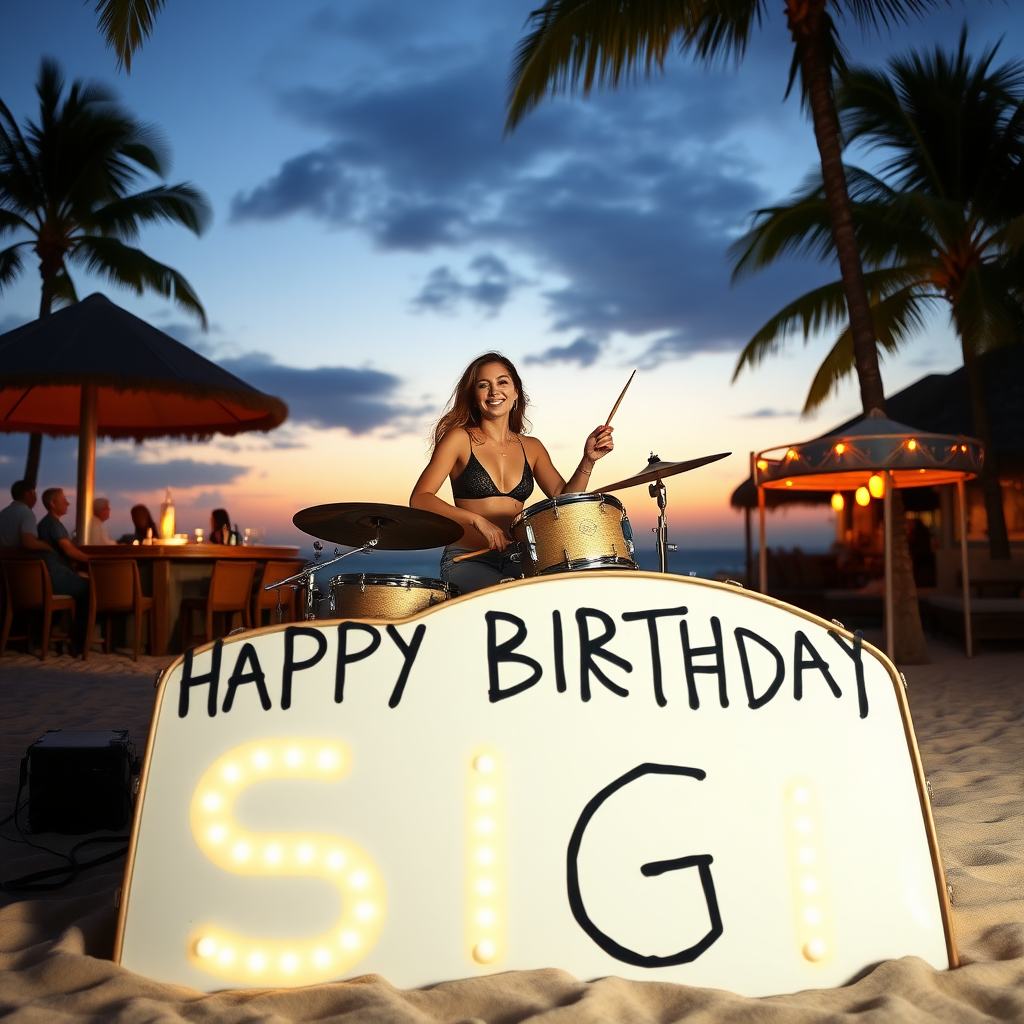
462, 409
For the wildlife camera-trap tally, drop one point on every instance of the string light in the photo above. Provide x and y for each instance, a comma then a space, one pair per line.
911, 445
791, 454
876, 485
811, 905
840, 448
862, 496
253, 960
485, 883
762, 464
838, 502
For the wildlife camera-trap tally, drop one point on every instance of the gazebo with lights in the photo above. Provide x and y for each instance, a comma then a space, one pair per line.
869, 458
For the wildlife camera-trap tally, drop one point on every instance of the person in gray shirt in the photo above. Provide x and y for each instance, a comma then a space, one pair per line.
17, 523
60, 557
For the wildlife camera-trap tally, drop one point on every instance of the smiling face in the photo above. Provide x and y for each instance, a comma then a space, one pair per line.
495, 391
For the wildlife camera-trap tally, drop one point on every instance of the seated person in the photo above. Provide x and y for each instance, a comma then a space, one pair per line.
61, 556
144, 525
17, 523
100, 514
220, 526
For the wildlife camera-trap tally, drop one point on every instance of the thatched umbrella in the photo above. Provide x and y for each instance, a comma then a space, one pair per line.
95, 370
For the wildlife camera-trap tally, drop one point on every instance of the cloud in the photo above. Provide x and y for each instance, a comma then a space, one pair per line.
768, 414
359, 400
493, 287
625, 204
582, 351
122, 469
327, 396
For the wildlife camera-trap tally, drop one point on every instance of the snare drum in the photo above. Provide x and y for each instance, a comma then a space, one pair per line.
574, 531
380, 596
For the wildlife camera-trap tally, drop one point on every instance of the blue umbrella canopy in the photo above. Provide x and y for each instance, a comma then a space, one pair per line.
148, 384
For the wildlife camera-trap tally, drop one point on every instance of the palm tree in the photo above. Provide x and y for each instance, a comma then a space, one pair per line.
125, 24
67, 184
940, 225
586, 42
582, 42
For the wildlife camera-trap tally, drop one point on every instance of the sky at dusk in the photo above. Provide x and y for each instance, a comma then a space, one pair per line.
374, 231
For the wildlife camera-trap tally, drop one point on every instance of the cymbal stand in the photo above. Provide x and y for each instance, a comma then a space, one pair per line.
657, 490
303, 580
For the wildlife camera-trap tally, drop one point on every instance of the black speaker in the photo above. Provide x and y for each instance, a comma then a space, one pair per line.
80, 782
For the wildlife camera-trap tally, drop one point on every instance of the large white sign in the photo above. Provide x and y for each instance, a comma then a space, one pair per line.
611, 773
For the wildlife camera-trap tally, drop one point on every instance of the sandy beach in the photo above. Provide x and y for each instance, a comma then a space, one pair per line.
969, 718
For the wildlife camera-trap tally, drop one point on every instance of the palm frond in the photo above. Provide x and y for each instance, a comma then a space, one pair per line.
12, 221
989, 307
126, 24
582, 43
12, 262
897, 318
64, 292
812, 312
174, 204
133, 269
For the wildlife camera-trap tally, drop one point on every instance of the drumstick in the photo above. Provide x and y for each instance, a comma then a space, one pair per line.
618, 401
470, 554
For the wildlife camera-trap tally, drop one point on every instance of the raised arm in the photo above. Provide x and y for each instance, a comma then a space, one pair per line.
424, 494
597, 446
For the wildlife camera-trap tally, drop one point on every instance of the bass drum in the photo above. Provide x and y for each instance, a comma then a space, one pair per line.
381, 596
573, 532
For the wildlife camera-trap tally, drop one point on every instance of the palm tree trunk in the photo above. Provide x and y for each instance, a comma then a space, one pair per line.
35, 448
805, 21
807, 25
998, 538
35, 441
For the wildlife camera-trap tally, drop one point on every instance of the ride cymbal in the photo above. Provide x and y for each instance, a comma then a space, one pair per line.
399, 527
658, 470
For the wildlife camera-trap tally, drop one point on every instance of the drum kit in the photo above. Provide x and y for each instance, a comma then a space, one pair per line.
567, 533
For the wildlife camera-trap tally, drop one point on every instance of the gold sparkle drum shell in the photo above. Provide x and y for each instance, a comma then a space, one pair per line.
573, 532
384, 596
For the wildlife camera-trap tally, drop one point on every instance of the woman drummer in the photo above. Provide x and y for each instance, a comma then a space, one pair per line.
480, 446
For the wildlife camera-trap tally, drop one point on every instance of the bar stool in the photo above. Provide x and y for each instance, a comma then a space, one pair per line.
266, 600
230, 592
28, 589
115, 588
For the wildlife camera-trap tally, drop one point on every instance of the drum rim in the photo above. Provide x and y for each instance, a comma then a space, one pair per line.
389, 579
571, 498
600, 562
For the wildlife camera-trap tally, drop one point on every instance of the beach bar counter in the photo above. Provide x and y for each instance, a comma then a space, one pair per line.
172, 572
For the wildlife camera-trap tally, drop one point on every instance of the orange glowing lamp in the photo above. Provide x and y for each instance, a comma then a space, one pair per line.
876, 485
840, 448
863, 496
838, 502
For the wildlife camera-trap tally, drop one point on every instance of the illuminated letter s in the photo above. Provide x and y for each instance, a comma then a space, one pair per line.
277, 962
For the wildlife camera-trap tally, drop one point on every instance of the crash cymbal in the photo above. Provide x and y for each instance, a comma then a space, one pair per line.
658, 470
399, 527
